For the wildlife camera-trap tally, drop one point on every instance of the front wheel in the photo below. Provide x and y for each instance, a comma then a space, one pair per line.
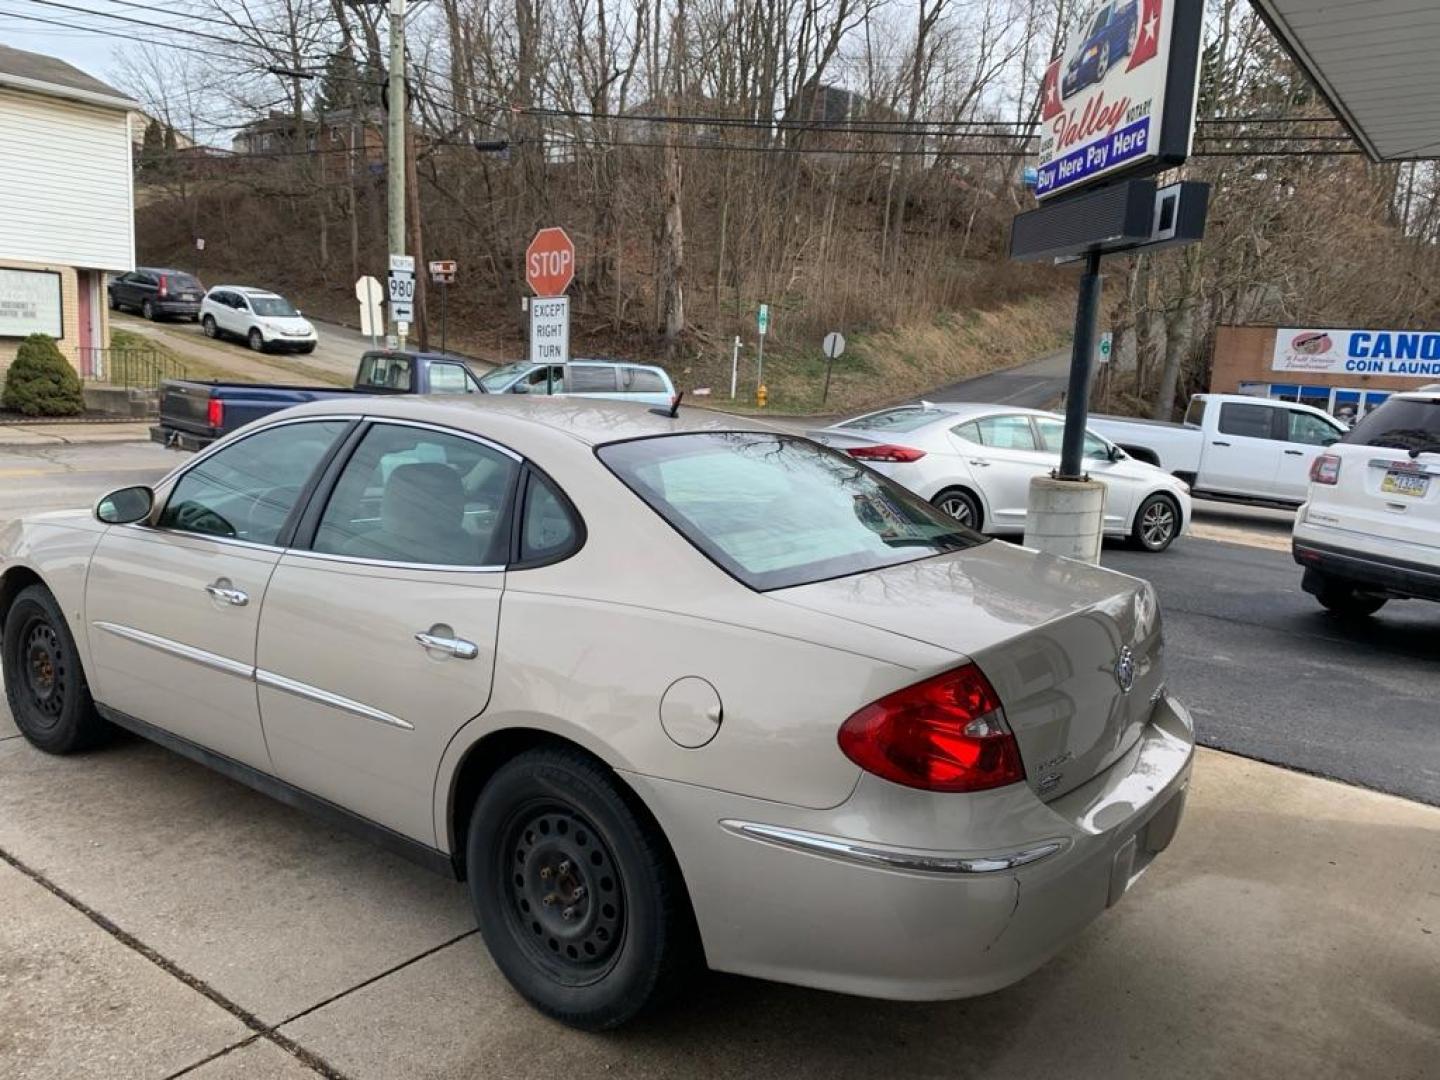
208, 327
257, 340
576, 894
44, 682
1157, 523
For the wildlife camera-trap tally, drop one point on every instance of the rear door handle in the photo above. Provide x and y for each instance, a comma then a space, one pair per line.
446, 643
982, 464
223, 589
1217, 442
1295, 453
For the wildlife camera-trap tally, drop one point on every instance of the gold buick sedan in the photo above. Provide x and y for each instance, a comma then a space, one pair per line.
663, 689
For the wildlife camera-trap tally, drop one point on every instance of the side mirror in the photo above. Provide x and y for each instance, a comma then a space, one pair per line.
125, 506
1116, 454
520, 388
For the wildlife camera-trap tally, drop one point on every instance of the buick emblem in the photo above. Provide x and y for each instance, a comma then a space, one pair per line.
1125, 669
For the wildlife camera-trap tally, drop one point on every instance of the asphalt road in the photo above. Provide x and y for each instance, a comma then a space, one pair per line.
1266, 672
1033, 385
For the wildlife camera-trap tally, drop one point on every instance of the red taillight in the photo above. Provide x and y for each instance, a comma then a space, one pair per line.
885, 453
215, 413
947, 733
1325, 469
164, 285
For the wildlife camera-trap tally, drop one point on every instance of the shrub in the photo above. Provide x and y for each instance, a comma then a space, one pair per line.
41, 381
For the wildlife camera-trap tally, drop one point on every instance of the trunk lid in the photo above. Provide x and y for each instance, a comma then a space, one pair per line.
1057, 639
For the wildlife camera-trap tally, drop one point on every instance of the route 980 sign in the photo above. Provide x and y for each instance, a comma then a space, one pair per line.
400, 288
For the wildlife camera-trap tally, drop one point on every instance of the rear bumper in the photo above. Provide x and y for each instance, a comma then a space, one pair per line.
1372, 570
912, 896
176, 307
175, 439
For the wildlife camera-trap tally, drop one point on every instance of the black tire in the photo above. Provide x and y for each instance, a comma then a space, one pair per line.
576, 893
1342, 599
305, 350
209, 328
114, 304
960, 505
256, 340
44, 682
148, 310
1156, 524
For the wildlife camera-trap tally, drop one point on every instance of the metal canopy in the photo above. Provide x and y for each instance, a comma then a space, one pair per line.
1374, 61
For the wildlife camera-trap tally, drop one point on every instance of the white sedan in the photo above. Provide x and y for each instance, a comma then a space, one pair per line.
976, 462
660, 689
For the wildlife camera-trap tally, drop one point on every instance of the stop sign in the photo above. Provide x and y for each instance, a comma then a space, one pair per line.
550, 262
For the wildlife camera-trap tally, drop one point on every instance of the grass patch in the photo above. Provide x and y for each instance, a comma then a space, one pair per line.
169, 360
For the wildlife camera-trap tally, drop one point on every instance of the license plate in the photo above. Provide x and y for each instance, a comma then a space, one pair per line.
1402, 483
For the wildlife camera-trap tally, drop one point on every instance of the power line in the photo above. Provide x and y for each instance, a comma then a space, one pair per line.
116, 33
130, 19
189, 15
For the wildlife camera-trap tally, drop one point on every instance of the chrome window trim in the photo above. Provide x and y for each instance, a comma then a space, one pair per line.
155, 531
390, 564
884, 858
324, 697
229, 440
443, 429
175, 648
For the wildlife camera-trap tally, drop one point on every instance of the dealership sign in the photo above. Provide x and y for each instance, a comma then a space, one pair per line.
30, 303
1120, 97
1412, 353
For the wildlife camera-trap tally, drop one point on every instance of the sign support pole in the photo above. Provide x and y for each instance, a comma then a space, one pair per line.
444, 289
734, 366
1082, 363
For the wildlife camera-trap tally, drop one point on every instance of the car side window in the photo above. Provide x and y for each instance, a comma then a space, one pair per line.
246, 490
590, 379
1309, 429
548, 529
1012, 432
641, 381
969, 431
415, 495
1052, 437
449, 379
1247, 421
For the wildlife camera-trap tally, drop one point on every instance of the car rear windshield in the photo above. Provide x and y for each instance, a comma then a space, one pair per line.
384, 371
906, 418
276, 307
184, 281
1401, 424
775, 511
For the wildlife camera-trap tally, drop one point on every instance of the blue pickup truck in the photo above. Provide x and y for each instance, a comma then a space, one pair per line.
194, 414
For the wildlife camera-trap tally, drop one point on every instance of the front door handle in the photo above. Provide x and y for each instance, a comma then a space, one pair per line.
440, 638
1217, 442
224, 590
1295, 453
982, 464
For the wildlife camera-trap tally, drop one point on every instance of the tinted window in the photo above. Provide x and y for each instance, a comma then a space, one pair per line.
547, 529
589, 378
906, 418
382, 371
1401, 424
1309, 429
641, 381
186, 282
274, 306
418, 496
1052, 436
1195, 412
775, 511
247, 489
1006, 432
1250, 421
969, 432
449, 379
501, 377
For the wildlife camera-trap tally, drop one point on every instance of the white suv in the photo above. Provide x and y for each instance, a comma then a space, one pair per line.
1370, 531
263, 319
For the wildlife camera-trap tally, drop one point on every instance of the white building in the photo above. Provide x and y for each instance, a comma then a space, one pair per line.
66, 203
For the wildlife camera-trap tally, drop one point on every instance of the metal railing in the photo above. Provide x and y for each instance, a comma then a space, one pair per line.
134, 369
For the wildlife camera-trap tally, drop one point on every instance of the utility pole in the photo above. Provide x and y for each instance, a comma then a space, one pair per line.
395, 185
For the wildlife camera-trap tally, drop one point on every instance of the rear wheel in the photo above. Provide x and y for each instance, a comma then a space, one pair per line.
1345, 600
148, 310
576, 894
960, 505
44, 683
1157, 523
257, 340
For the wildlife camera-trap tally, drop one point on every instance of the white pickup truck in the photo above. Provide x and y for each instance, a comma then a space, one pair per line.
1233, 447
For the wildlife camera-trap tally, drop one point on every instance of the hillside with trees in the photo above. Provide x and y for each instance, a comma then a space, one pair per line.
853, 163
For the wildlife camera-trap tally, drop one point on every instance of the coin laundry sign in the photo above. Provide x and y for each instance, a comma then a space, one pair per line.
1410, 353
1121, 94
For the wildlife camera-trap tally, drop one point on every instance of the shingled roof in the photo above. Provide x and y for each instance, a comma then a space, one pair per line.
40, 74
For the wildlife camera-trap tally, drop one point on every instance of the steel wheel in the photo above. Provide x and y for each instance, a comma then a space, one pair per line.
44, 673
567, 905
1157, 523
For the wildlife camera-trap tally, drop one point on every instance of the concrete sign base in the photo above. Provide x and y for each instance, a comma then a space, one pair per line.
1066, 517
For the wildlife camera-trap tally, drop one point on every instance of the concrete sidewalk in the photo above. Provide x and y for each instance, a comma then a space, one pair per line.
158, 920
74, 432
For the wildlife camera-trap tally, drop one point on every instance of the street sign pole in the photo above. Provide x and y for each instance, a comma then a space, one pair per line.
734, 367
444, 289
1082, 362
832, 346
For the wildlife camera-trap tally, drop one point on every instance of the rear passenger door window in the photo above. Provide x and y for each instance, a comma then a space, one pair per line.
1246, 421
1007, 432
423, 497
449, 379
590, 379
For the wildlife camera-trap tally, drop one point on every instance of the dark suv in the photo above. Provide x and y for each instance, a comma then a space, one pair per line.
157, 293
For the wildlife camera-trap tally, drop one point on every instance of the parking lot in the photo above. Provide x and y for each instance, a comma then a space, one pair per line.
160, 920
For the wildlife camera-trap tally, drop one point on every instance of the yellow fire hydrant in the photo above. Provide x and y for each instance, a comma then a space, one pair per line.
761, 396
